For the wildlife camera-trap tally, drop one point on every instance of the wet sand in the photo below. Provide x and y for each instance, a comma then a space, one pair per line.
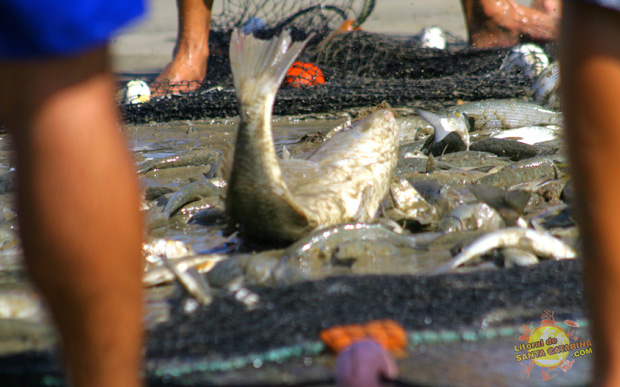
145, 48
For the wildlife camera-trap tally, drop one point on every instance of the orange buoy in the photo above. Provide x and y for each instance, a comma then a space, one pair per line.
303, 74
389, 334
347, 26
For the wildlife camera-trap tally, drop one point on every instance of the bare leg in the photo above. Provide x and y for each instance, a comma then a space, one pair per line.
503, 23
191, 52
590, 58
78, 210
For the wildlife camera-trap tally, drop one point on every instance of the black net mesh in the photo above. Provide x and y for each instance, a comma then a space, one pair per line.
295, 314
359, 68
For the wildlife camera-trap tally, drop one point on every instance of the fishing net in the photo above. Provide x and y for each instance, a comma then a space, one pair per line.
227, 338
226, 343
358, 68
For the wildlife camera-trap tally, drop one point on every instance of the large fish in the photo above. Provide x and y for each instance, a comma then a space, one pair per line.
505, 114
274, 200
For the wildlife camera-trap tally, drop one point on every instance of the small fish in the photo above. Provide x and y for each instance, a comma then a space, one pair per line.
193, 283
530, 134
194, 158
509, 204
537, 168
344, 180
505, 114
517, 257
169, 248
505, 147
528, 58
539, 243
451, 132
546, 88
190, 193
310, 252
408, 201
472, 217
162, 274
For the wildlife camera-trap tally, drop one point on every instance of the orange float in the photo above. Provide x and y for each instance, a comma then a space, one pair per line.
303, 74
389, 334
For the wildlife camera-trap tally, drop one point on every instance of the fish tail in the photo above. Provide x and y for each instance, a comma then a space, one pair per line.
435, 121
259, 66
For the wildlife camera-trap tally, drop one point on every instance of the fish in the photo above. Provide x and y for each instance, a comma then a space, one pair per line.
546, 89
190, 193
528, 58
409, 203
451, 132
471, 217
509, 204
162, 274
278, 201
539, 243
194, 158
505, 114
525, 170
504, 147
530, 134
311, 253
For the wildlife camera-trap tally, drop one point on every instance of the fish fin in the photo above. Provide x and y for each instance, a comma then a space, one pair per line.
435, 121
501, 199
227, 161
286, 155
259, 66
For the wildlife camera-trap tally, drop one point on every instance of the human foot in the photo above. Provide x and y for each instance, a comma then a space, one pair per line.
184, 73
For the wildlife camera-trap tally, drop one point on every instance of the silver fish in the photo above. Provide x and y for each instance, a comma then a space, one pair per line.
154, 249
310, 253
530, 134
471, 217
539, 243
546, 88
506, 114
528, 58
344, 180
162, 274
451, 132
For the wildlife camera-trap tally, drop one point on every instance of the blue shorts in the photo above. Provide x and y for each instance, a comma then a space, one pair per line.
42, 28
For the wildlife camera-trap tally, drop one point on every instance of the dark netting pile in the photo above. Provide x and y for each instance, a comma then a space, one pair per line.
287, 320
360, 68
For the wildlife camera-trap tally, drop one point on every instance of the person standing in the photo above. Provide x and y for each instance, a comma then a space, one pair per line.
77, 194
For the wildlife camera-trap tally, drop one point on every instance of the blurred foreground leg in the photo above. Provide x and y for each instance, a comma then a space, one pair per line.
590, 66
78, 210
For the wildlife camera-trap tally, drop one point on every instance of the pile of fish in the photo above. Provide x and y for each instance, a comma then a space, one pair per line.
477, 186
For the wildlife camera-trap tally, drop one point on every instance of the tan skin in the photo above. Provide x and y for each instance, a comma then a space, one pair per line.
590, 71
504, 23
78, 210
191, 52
